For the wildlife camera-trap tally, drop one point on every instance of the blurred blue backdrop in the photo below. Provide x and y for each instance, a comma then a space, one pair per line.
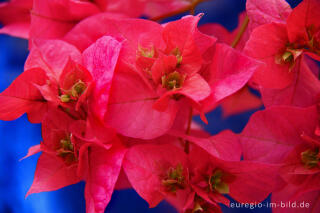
17, 136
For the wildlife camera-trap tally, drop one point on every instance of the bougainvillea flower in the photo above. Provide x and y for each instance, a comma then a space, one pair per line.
73, 90
293, 135
30, 93
304, 28
261, 12
301, 168
271, 134
176, 73
58, 163
155, 176
55, 77
303, 91
67, 159
159, 67
116, 96
268, 44
198, 179
280, 45
211, 178
302, 165
15, 16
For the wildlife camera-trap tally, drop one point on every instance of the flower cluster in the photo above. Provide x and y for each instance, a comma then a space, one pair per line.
115, 95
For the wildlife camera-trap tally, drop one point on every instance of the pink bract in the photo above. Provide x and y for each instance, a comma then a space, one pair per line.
152, 56
15, 17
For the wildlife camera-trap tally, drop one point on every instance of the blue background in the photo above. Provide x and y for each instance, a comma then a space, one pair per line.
17, 136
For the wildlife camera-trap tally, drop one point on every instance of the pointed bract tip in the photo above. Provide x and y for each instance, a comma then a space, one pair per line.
203, 118
200, 15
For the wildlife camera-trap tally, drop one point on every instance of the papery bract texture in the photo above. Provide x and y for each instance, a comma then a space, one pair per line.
159, 68
267, 43
101, 59
22, 96
272, 133
103, 170
147, 168
303, 91
262, 12
57, 165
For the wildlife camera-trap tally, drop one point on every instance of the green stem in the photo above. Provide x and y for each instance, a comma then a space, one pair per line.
240, 33
187, 143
